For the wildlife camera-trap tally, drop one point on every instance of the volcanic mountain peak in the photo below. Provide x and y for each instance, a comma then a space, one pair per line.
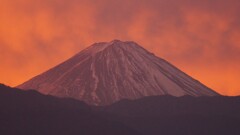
110, 71
101, 46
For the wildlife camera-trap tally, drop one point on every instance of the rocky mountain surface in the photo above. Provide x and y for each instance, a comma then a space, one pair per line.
107, 72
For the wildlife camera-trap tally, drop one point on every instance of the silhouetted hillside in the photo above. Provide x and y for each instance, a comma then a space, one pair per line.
30, 113
167, 115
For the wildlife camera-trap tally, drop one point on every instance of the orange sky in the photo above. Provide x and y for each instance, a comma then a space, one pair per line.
201, 37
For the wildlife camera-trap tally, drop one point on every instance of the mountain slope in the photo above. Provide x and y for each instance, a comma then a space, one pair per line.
107, 72
168, 115
31, 113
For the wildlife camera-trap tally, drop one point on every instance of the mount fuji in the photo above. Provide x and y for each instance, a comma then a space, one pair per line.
107, 72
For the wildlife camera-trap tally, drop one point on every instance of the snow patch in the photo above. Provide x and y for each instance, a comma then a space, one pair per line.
96, 81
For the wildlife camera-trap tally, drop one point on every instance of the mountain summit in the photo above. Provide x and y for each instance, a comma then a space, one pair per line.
110, 71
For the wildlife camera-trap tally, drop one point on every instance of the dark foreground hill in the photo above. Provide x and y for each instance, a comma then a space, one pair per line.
30, 113
166, 115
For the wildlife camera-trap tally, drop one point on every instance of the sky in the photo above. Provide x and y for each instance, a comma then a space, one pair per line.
201, 37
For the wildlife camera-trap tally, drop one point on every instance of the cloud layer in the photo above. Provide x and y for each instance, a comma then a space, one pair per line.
201, 37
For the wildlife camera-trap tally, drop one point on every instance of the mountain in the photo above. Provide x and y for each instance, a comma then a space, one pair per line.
31, 113
186, 115
107, 72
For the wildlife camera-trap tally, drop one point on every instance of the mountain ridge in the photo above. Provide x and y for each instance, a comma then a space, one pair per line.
32, 113
29, 112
